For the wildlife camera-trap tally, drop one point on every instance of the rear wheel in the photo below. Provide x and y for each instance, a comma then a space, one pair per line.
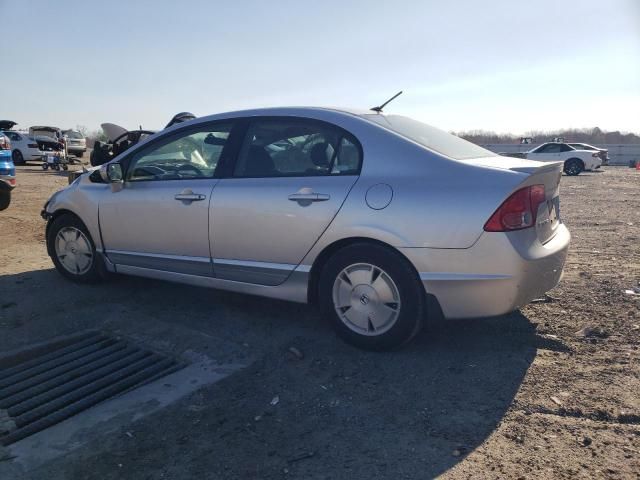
79, 154
17, 157
73, 251
573, 166
5, 199
372, 296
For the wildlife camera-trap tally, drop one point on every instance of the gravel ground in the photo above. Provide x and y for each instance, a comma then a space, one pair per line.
551, 391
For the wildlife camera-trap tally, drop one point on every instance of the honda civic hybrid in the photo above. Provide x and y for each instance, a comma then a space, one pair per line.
379, 220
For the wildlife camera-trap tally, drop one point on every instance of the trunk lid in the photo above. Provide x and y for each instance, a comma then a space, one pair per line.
7, 124
539, 173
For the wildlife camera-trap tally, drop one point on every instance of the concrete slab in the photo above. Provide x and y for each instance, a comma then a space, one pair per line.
113, 414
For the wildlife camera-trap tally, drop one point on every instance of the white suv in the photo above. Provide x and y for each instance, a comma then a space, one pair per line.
575, 161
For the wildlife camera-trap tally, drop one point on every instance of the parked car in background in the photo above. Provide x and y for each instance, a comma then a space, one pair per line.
575, 160
76, 143
52, 133
7, 172
378, 219
604, 153
24, 148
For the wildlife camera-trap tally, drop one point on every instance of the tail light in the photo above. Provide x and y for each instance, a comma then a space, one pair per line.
4, 143
518, 211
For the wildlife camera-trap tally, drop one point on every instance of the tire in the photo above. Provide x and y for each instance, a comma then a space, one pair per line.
573, 166
72, 250
5, 199
79, 154
65, 167
357, 279
17, 157
45, 166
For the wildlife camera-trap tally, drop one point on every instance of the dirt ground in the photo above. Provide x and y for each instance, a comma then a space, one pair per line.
552, 391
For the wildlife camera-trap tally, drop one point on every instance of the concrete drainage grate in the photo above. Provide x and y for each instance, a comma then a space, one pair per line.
60, 380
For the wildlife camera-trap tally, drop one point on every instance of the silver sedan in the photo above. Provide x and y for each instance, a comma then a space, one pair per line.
378, 219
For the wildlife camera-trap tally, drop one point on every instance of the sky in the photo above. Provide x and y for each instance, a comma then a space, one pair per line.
498, 65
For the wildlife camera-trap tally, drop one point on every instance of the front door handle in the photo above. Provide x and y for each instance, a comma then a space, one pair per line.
305, 195
187, 195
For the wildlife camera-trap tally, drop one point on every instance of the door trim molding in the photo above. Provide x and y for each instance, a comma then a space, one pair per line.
171, 263
249, 271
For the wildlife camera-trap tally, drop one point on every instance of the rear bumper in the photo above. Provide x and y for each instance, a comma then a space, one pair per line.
497, 275
594, 164
7, 183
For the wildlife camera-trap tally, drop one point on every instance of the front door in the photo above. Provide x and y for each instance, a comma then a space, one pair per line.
549, 152
290, 179
160, 219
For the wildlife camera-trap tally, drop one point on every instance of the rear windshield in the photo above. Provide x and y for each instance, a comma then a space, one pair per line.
71, 134
431, 137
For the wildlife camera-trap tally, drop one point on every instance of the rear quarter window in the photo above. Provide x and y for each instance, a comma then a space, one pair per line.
433, 138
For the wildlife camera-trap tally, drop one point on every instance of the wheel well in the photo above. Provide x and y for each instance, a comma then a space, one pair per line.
434, 311
575, 158
54, 215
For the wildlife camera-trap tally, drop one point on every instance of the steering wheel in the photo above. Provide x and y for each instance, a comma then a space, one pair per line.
193, 168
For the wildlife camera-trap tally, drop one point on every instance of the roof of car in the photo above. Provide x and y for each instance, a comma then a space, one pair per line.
278, 111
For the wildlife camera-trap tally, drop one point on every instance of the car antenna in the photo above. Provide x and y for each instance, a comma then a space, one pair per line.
379, 108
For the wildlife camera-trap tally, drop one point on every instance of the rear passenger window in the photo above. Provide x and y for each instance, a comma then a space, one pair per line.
294, 148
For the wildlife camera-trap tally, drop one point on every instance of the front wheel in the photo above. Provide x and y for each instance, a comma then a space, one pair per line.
45, 166
573, 166
73, 251
65, 167
373, 297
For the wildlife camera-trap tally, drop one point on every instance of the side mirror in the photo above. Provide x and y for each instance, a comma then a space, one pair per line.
112, 173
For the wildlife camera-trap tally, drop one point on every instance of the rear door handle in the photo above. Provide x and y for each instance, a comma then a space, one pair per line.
309, 197
187, 195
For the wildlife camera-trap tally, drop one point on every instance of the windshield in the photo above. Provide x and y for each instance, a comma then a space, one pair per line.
430, 137
72, 134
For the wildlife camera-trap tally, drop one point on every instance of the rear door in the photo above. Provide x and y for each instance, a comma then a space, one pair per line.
160, 219
291, 177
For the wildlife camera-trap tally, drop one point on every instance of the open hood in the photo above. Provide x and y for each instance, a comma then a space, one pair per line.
44, 129
113, 131
7, 124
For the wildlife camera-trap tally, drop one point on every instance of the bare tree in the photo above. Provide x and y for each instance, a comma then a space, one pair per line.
586, 135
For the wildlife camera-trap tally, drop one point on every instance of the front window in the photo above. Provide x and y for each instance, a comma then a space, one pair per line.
548, 148
430, 137
190, 155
